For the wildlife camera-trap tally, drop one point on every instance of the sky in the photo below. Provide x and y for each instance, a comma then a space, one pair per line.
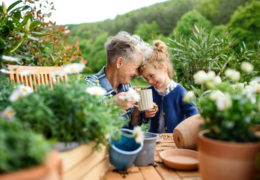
86, 11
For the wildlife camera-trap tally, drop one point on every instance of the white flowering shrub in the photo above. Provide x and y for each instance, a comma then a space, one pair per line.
68, 112
230, 108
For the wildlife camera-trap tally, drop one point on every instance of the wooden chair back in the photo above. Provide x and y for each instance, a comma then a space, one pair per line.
41, 75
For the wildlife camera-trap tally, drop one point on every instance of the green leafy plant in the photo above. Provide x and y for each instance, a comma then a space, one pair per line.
206, 51
25, 37
186, 23
245, 24
6, 90
202, 51
229, 108
20, 148
69, 112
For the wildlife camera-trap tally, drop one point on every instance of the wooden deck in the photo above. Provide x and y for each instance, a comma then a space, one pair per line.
157, 171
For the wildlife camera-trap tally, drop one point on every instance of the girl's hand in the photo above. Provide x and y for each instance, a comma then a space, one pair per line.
149, 113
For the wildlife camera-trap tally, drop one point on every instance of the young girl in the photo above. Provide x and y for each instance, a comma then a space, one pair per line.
167, 94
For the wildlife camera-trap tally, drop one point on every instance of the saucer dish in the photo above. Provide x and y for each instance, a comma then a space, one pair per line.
180, 159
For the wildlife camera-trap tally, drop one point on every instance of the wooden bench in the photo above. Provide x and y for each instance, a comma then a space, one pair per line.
40, 75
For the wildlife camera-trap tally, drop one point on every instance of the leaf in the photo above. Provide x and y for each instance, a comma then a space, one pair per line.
35, 24
17, 16
13, 5
40, 34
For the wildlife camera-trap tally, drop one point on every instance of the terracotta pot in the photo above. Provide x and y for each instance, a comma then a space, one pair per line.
50, 170
185, 135
227, 160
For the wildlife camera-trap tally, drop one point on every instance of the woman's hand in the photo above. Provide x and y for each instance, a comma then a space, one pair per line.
124, 101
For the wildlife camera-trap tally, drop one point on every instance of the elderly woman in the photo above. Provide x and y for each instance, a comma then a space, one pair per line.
125, 54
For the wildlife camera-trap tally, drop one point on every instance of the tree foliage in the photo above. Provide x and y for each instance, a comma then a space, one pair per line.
186, 23
245, 23
147, 31
25, 35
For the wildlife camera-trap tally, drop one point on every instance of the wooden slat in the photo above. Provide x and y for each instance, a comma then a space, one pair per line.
98, 171
132, 173
85, 166
150, 173
50, 80
185, 174
167, 173
75, 156
192, 178
26, 80
30, 82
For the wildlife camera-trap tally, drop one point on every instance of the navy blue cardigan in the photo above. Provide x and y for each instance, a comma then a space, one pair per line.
175, 109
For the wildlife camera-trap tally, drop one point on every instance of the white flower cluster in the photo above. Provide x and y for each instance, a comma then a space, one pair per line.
201, 77
20, 92
247, 67
131, 94
138, 134
96, 90
255, 84
73, 68
5, 71
223, 100
8, 113
232, 74
10, 58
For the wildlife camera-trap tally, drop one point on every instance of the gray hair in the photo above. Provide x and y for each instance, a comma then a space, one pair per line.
127, 46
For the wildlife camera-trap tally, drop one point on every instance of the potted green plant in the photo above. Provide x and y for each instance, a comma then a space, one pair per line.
25, 154
228, 146
70, 113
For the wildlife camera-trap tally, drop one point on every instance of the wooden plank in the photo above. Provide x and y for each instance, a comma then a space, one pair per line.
192, 178
98, 171
188, 174
167, 173
132, 173
85, 166
149, 173
75, 156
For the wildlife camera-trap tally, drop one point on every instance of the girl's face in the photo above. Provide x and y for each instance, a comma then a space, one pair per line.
158, 78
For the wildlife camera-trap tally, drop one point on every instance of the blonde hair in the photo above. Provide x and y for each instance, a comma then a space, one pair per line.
158, 58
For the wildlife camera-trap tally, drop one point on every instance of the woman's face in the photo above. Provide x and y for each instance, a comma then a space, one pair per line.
129, 70
158, 78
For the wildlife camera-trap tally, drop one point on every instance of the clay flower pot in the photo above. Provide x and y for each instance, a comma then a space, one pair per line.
50, 170
227, 160
185, 135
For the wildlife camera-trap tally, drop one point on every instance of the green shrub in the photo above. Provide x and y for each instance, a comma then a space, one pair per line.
203, 51
68, 113
186, 23
6, 89
20, 148
245, 23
